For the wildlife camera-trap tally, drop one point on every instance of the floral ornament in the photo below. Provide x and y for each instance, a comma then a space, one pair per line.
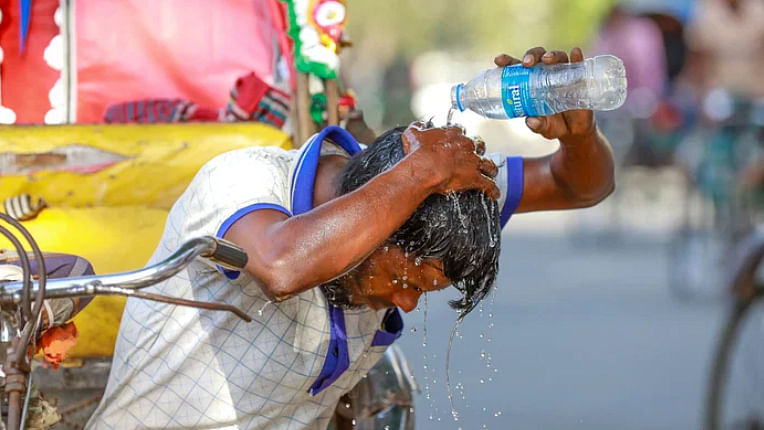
317, 27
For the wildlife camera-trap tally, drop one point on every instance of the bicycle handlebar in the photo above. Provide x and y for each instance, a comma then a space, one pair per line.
217, 250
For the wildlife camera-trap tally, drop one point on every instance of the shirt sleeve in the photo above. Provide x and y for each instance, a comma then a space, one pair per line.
229, 187
510, 182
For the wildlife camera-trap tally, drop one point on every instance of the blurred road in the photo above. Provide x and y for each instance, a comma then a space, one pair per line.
586, 336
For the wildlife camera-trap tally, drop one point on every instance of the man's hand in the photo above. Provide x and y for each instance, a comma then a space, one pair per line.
581, 172
453, 158
563, 126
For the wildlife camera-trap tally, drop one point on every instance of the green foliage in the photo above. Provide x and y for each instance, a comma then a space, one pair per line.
475, 27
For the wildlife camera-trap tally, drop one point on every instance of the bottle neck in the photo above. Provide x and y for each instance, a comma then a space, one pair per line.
457, 97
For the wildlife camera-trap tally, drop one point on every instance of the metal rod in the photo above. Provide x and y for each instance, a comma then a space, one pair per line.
305, 126
116, 291
332, 101
42, 273
26, 273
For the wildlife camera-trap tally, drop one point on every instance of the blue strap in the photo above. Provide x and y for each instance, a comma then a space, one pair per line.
26, 15
337, 358
305, 175
514, 188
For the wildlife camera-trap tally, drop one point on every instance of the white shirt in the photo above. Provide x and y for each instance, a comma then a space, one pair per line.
181, 367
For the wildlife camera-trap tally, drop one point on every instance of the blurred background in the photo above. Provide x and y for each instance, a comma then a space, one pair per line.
607, 317
603, 318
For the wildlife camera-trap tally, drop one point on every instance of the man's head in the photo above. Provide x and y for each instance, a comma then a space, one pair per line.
449, 240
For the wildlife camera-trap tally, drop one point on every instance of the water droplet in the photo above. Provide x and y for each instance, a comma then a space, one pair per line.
347, 405
260, 312
353, 422
434, 282
395, 281
413, 329
482, 381
387, 427
411, 410
482, 335
482, 354
430, 417
405, 277
498, 413
418, 261
386, 248
405, 285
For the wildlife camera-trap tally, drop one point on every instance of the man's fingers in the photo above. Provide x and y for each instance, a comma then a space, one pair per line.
576, 55
553, 57
479, 145
503, 60
550, 127
488, 168
533, 56
488, 186
536, 123
456, 129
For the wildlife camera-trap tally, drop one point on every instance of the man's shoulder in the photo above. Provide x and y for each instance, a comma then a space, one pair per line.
244, 157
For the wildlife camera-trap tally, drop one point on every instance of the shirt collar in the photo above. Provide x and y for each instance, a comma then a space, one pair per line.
304, 174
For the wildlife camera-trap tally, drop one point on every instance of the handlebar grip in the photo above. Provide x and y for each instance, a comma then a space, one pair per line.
229, 255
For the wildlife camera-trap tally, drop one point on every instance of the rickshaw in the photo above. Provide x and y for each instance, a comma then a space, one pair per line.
98, 179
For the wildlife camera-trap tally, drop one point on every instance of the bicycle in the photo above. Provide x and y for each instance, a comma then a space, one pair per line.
713, 156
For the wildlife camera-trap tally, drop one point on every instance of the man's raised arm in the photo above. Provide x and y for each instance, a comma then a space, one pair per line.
581, 172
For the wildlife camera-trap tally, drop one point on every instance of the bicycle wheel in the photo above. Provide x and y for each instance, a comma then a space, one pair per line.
735, 397
696, 262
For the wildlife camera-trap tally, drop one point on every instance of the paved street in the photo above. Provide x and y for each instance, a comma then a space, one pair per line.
586, 336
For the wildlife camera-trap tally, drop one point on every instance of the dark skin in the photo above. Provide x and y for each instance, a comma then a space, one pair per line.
289, 255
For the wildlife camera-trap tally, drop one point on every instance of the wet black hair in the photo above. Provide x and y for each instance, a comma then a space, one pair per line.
462, 230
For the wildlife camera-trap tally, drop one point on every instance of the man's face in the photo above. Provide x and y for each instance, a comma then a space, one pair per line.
391, 278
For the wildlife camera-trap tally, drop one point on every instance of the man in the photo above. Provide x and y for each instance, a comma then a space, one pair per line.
413, 213
716, 26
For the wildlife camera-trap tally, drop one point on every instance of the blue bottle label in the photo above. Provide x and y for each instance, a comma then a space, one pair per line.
516, 92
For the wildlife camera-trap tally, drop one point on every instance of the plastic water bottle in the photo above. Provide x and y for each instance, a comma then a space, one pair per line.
597, 83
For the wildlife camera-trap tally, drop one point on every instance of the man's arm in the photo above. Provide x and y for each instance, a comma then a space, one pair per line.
581, 172
290, 255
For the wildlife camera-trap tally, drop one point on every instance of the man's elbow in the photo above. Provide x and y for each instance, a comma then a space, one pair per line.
593, 197
276, 277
